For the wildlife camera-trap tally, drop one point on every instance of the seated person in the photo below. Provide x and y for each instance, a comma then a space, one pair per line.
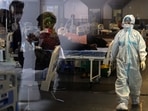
48, 39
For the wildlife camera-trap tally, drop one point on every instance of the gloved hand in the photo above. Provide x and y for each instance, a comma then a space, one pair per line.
111, 67
142, 65
109, 72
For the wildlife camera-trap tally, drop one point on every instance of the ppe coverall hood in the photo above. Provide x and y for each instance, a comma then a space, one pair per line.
128, 22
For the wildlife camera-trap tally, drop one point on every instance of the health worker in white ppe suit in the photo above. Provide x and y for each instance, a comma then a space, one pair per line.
129, 54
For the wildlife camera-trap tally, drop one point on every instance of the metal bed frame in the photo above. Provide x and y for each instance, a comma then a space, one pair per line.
91, 55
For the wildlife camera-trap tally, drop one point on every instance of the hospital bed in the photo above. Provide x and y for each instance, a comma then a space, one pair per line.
91, 55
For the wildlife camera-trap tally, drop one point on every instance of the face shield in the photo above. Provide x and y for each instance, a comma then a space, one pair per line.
127, 20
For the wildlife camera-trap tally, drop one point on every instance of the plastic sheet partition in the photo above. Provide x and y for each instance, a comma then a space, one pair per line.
91, 55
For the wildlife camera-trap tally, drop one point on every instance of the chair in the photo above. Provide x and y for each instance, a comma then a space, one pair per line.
51, 71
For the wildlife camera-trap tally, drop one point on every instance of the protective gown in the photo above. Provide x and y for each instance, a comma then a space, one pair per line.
128, 51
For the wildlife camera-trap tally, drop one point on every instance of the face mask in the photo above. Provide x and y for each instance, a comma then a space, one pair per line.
18, 17
127, 26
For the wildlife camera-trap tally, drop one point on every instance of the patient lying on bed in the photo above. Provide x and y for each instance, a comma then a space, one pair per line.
71, 41
87, 42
